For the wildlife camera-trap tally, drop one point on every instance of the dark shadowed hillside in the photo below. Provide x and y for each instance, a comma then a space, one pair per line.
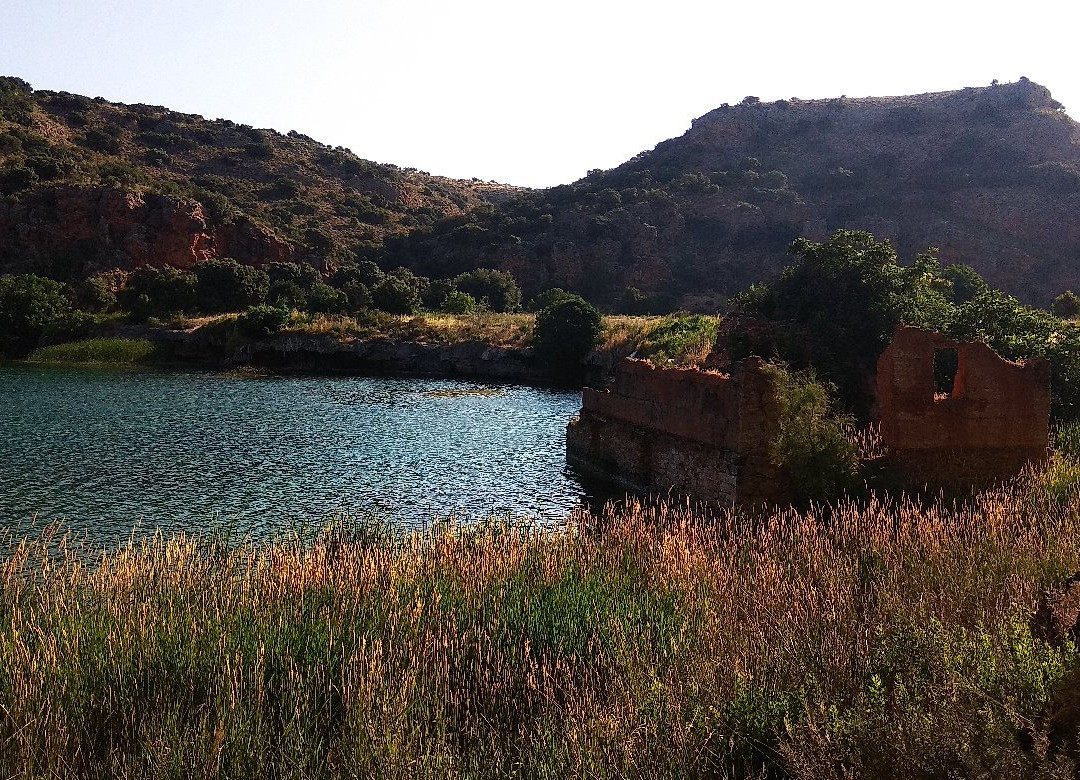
990, 175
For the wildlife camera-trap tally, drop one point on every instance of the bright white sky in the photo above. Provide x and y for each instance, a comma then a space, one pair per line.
531, 93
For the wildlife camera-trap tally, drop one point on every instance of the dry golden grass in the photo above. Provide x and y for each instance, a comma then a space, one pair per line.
886, 639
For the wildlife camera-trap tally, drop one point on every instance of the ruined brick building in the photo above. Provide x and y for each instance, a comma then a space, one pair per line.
953, 414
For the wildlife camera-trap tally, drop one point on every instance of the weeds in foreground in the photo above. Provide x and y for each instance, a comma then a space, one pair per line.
887, 639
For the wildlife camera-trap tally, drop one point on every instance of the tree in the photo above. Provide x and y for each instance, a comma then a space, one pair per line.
159, 292
29, 305
498, 288
1066, 306
226, 285
839, 302
564, 333
395, 296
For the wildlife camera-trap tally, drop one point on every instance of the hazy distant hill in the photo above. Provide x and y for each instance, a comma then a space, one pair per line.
990, 175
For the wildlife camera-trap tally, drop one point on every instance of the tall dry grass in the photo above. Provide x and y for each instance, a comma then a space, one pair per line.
887, 639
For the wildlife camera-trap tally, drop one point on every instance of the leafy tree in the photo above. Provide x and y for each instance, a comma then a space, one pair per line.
29, 305
155, 292
302, 275
358, 295
286, 294
226, 285
436, 293
325, 299
458, 302
839, 303
814, 444
966, 282
564, 333
395, 296
260, 322
95, 294
548, 297
498, 288
1066, 306
365, 272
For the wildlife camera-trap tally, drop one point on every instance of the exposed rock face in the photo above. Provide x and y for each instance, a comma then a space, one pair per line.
994, 421
696, 433
77, 230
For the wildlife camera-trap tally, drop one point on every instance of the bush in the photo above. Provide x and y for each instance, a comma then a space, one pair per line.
28, 306
286, 295
565, 332
226, 285
458, 302
95, 294
1066, 306
260, 322
358, 295
159, 292
395, 296
498, 288
815, 443
549, 297
302, 275
325, 299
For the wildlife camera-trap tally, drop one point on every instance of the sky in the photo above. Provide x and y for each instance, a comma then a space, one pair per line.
517, 91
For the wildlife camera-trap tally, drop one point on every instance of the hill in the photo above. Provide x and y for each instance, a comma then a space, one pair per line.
990, 175
87, 185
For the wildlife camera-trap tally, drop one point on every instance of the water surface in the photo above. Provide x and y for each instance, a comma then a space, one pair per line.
111, 450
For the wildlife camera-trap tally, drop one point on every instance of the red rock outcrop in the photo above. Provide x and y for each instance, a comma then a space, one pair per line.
994, 421
92, 228
696, 433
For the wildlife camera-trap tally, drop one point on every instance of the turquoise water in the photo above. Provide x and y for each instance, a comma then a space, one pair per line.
109, 451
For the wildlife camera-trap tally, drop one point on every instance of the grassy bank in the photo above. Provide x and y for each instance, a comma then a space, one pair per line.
103, 350
886, 640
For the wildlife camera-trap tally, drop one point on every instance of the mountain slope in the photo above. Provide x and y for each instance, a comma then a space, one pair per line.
990, 175
87, 184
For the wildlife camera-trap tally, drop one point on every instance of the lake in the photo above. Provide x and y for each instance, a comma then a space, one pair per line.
112, 450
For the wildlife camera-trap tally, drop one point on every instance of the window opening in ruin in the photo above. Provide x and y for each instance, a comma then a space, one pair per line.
946, 363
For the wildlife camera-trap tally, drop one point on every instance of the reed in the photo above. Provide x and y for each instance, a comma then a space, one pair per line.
111, 351
885, 638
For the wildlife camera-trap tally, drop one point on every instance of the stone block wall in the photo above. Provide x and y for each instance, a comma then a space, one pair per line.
686, 431
994, 421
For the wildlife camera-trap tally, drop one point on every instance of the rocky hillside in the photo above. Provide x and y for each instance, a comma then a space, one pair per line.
990, 175
87, 185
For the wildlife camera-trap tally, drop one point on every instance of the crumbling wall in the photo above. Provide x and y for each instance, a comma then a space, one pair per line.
701, 434
994, 420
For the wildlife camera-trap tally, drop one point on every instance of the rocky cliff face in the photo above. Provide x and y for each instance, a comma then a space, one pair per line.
80, 230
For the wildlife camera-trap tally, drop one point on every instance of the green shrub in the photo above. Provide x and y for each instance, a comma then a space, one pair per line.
286, 295
564, 333
260, 322
815, 444
226, 285
117, 351
28, 306
458, 302
683, 341
549, 297
159, 292
325, 299
498, 288
302, 275
1066, 306
395, 296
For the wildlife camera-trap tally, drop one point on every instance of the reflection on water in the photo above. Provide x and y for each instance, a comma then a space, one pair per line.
107, 450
